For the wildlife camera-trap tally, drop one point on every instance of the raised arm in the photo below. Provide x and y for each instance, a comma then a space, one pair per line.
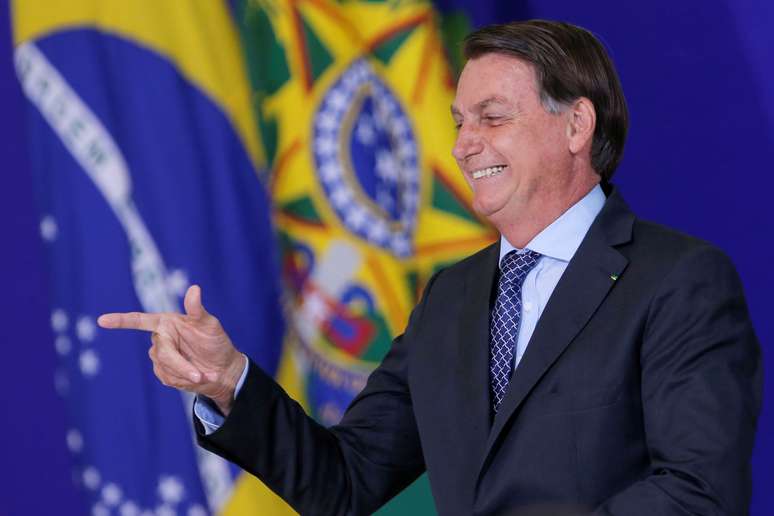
351, 469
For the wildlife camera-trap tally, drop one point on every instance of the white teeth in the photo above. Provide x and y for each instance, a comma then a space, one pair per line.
488, 172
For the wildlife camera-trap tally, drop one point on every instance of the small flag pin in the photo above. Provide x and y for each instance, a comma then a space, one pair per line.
614, 277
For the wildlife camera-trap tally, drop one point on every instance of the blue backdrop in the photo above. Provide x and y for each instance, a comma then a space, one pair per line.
697, 75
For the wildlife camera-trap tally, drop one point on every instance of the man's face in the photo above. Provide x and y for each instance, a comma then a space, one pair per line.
513, 153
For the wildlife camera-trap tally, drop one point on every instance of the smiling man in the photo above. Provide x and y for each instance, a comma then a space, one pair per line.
526, 165
589, 362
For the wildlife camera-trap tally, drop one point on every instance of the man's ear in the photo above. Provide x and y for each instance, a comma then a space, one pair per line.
581, 122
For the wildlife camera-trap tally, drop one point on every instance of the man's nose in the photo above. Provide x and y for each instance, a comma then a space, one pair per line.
468, 143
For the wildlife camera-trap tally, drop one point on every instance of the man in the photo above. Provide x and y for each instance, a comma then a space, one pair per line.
588, 362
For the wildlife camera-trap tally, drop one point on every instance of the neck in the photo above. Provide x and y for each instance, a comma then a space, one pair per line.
519, 230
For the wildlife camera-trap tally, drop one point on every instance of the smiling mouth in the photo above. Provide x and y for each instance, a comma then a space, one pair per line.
488, 172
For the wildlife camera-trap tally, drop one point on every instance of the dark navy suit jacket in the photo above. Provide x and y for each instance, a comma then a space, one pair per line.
638, 395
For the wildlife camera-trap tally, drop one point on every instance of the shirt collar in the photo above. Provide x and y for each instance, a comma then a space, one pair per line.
563, 236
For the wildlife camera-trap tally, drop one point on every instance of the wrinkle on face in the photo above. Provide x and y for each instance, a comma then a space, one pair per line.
502, 122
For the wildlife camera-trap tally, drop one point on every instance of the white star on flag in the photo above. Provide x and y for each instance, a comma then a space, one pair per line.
98, 509
62, 344
111, 494
337, 101
48, 228
129, 508
330, 170
74, 440
326, 146
366, 134
85, 328
59, 320
170, 489
387, 166
91, 478
89, 362
196, 510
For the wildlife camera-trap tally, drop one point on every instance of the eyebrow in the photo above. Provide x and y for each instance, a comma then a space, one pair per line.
496, 99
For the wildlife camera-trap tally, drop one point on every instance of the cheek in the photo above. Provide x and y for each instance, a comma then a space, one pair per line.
509, 146
553, 132
545, 147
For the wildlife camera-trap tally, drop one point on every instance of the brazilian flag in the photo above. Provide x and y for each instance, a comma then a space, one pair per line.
147, 167
352, 100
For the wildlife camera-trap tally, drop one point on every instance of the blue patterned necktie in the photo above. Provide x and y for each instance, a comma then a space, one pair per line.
506, 316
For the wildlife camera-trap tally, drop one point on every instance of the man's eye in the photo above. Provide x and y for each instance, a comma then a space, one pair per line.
492, 118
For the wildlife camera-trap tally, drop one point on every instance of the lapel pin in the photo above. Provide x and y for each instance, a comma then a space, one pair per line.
614, 277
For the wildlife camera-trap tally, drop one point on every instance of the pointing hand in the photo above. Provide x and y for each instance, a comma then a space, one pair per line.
189, 351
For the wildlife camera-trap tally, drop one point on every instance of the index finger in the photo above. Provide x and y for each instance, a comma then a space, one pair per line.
130, 321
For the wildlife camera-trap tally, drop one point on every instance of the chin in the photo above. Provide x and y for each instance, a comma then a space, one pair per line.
492, 196
487, 208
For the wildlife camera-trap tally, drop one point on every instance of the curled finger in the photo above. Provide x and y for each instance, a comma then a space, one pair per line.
170, 379
164, 352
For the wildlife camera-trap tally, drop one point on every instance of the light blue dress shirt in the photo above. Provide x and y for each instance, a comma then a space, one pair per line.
557, 244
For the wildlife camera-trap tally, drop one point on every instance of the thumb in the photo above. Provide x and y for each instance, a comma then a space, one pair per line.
193, 302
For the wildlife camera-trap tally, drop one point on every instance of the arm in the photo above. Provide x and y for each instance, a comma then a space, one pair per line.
701, 395
352, 468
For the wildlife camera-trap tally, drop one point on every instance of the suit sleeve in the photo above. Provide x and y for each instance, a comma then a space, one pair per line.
701, 393
352, 468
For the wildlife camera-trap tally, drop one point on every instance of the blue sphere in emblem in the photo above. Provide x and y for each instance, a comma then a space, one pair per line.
366, 159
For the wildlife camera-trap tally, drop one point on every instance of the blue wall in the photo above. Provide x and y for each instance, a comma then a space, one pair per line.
698, 76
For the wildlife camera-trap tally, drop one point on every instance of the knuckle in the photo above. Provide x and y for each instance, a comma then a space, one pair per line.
162, 354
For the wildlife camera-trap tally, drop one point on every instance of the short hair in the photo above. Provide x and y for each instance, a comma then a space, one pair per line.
569, 63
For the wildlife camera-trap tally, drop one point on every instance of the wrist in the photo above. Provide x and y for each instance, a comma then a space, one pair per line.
224, 399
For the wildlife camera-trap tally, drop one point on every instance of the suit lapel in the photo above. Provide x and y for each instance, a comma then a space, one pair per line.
472, 345
584, 285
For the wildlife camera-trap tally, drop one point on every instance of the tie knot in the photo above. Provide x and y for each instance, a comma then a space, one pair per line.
516, 266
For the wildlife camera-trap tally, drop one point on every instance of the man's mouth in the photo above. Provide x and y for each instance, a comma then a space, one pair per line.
488, 172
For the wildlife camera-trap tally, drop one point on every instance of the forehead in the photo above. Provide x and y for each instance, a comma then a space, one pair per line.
495, 76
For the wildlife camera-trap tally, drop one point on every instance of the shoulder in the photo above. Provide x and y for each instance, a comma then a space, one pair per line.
658, 247
680, 274
649, 244
664, 237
